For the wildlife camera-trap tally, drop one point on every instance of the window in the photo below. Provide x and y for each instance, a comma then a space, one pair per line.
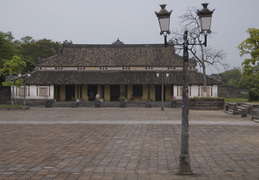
22, 90
208, 90
137, 90
179, 90
43, 91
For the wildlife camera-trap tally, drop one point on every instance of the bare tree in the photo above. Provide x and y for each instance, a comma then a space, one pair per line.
204, 56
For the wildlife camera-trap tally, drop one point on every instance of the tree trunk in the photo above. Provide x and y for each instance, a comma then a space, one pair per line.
204, 74
204, 81
12, 95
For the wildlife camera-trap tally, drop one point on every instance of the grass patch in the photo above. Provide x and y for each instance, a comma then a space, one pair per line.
245, 93
236, 100
207, 98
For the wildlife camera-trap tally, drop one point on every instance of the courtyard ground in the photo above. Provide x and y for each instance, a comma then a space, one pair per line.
125, 143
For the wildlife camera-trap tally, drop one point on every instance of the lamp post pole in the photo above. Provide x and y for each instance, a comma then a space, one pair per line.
205, 16
184, 157
162, 107
162, 88
24, 94
25, 89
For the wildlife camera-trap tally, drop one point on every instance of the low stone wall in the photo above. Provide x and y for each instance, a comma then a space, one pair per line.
230, 92
206, 104
198, 104
117, 104
30, 102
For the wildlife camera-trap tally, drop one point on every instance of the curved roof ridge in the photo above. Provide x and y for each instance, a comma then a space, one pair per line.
41, 60
112, 46
208, 77
113, 55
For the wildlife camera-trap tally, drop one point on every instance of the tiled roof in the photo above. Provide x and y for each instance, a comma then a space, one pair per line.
124, 55
114, 77
116, 55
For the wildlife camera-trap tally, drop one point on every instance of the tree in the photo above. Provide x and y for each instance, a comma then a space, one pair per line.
231, 77
204, 56
12, 68
31, 50
28, 49
250, 74
7, 49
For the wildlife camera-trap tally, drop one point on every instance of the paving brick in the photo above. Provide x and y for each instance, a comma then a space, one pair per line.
130, 143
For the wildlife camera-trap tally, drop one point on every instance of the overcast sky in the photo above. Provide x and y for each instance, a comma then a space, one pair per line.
133, 21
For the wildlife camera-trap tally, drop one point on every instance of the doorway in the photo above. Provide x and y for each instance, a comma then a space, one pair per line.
92, 91
159, 92
70, 92
114, 92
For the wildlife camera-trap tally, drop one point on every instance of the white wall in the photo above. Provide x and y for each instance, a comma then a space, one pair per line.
195, 91
34, 92
47, 92
215, 91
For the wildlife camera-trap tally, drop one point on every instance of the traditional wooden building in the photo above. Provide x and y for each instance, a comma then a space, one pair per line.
137, 72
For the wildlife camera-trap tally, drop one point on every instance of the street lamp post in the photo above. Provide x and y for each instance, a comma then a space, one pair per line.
162, 92
162, 89
24, 89
24, 96
162, 97
205, 16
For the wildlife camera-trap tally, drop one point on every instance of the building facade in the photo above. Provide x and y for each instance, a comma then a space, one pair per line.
136, 72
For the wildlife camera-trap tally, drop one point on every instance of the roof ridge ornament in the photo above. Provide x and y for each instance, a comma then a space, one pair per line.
67, 42
118, 42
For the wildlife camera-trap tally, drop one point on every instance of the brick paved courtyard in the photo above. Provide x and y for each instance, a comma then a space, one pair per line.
126, 143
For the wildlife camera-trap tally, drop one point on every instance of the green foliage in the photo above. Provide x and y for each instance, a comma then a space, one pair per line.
207, 98
250, 46
253, 96
73, 99
28, 49
236, 100
251, 82
7, 50
7, 47
13, 67
230, 77
250, 76
7, 83
122, 98
17, 83
31, 49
